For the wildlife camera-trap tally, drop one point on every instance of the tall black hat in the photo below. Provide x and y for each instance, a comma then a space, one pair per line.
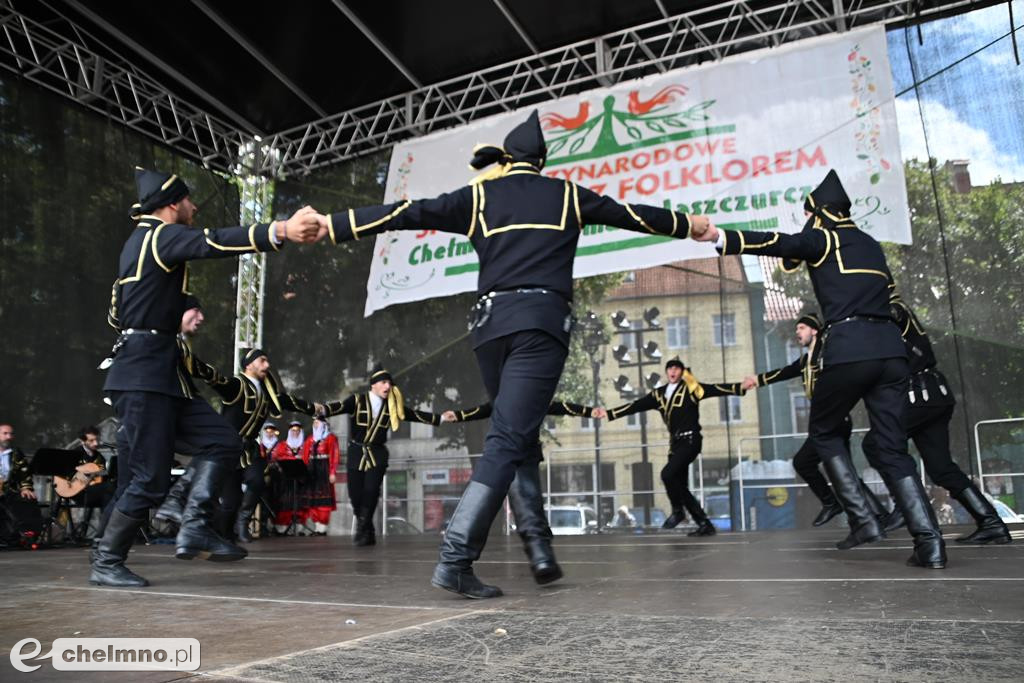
192, 301
379, 374
156, 189
829, 200
250, 356
524, 143
811, 320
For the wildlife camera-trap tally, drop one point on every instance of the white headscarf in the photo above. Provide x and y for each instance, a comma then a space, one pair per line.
295, 440
320, 430
268, 440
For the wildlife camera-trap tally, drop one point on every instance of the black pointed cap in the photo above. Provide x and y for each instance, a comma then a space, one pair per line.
526, 143
829, 198
379, 374
812, 320
156, 189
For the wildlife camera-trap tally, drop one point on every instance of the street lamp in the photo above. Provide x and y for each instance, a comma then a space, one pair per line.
594, 339
648, 354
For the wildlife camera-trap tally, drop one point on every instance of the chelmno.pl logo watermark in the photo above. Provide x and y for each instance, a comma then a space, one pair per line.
109, 654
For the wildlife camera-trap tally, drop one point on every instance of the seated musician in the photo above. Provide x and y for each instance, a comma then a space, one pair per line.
18, 507
99, 491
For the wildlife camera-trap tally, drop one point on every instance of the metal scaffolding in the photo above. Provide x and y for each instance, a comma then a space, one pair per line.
704, 34
89, 73
256, 194
92, 75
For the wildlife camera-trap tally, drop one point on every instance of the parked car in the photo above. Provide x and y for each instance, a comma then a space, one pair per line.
657, 517
571, 520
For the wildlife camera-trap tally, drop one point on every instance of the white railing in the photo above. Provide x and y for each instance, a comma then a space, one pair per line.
977, 450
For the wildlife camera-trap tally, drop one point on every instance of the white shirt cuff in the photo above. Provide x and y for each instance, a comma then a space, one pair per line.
720, 242
273, 234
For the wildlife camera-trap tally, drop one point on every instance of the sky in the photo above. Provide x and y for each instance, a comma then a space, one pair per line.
973, 111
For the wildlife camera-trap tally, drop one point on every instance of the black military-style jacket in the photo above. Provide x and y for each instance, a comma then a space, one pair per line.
20, 476
851, 281
367, 430
148, 298
245, 406
928, 386
524, 227
483, 411
681, 412
806, 366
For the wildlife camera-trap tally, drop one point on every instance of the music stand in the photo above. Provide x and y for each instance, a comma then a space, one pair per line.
294, 472
57, 462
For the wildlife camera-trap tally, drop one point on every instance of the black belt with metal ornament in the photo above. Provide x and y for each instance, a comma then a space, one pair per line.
862, 318
481, 311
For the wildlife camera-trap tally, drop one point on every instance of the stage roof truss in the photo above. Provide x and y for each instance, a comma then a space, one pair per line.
85, 70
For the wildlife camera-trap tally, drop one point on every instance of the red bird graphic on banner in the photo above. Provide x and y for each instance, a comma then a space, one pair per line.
550, 121
663, 96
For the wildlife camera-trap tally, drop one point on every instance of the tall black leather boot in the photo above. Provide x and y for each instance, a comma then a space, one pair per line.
464, 540
109, 557
532, 524
864, 526
929, 549
359, 538
365, 532
692, 505
991, 528
174, 504
873, 503
197, 535
249, 501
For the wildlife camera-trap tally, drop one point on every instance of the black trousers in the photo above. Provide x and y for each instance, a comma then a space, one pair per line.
928, 426
365, 477
18, 515
675, 474
882, 385
155, 426
806, 462
521, 372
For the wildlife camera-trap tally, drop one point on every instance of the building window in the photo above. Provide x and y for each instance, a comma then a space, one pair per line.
724, 329
633, 421
801, 411
678, 332
729, 409
586, 424
630, 276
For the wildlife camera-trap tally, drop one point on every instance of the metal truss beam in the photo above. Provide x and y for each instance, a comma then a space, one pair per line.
113, 87
89, 73
703, 34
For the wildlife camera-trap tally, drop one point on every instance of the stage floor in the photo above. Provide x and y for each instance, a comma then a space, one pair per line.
744, 606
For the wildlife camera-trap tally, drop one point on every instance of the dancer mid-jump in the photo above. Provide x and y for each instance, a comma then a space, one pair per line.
525, 228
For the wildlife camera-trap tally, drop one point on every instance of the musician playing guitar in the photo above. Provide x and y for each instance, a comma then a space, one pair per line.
90, 487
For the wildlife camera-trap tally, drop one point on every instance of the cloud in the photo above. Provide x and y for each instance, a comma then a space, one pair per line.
953, 138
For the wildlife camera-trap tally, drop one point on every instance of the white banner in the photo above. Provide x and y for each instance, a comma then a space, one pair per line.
742, 140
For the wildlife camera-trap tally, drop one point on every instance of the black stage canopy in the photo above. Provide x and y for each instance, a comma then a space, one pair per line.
325, 80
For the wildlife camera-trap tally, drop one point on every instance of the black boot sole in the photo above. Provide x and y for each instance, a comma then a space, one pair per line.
452, 589
872, 539
191, 553
547, 573
927, 565
1000, 539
